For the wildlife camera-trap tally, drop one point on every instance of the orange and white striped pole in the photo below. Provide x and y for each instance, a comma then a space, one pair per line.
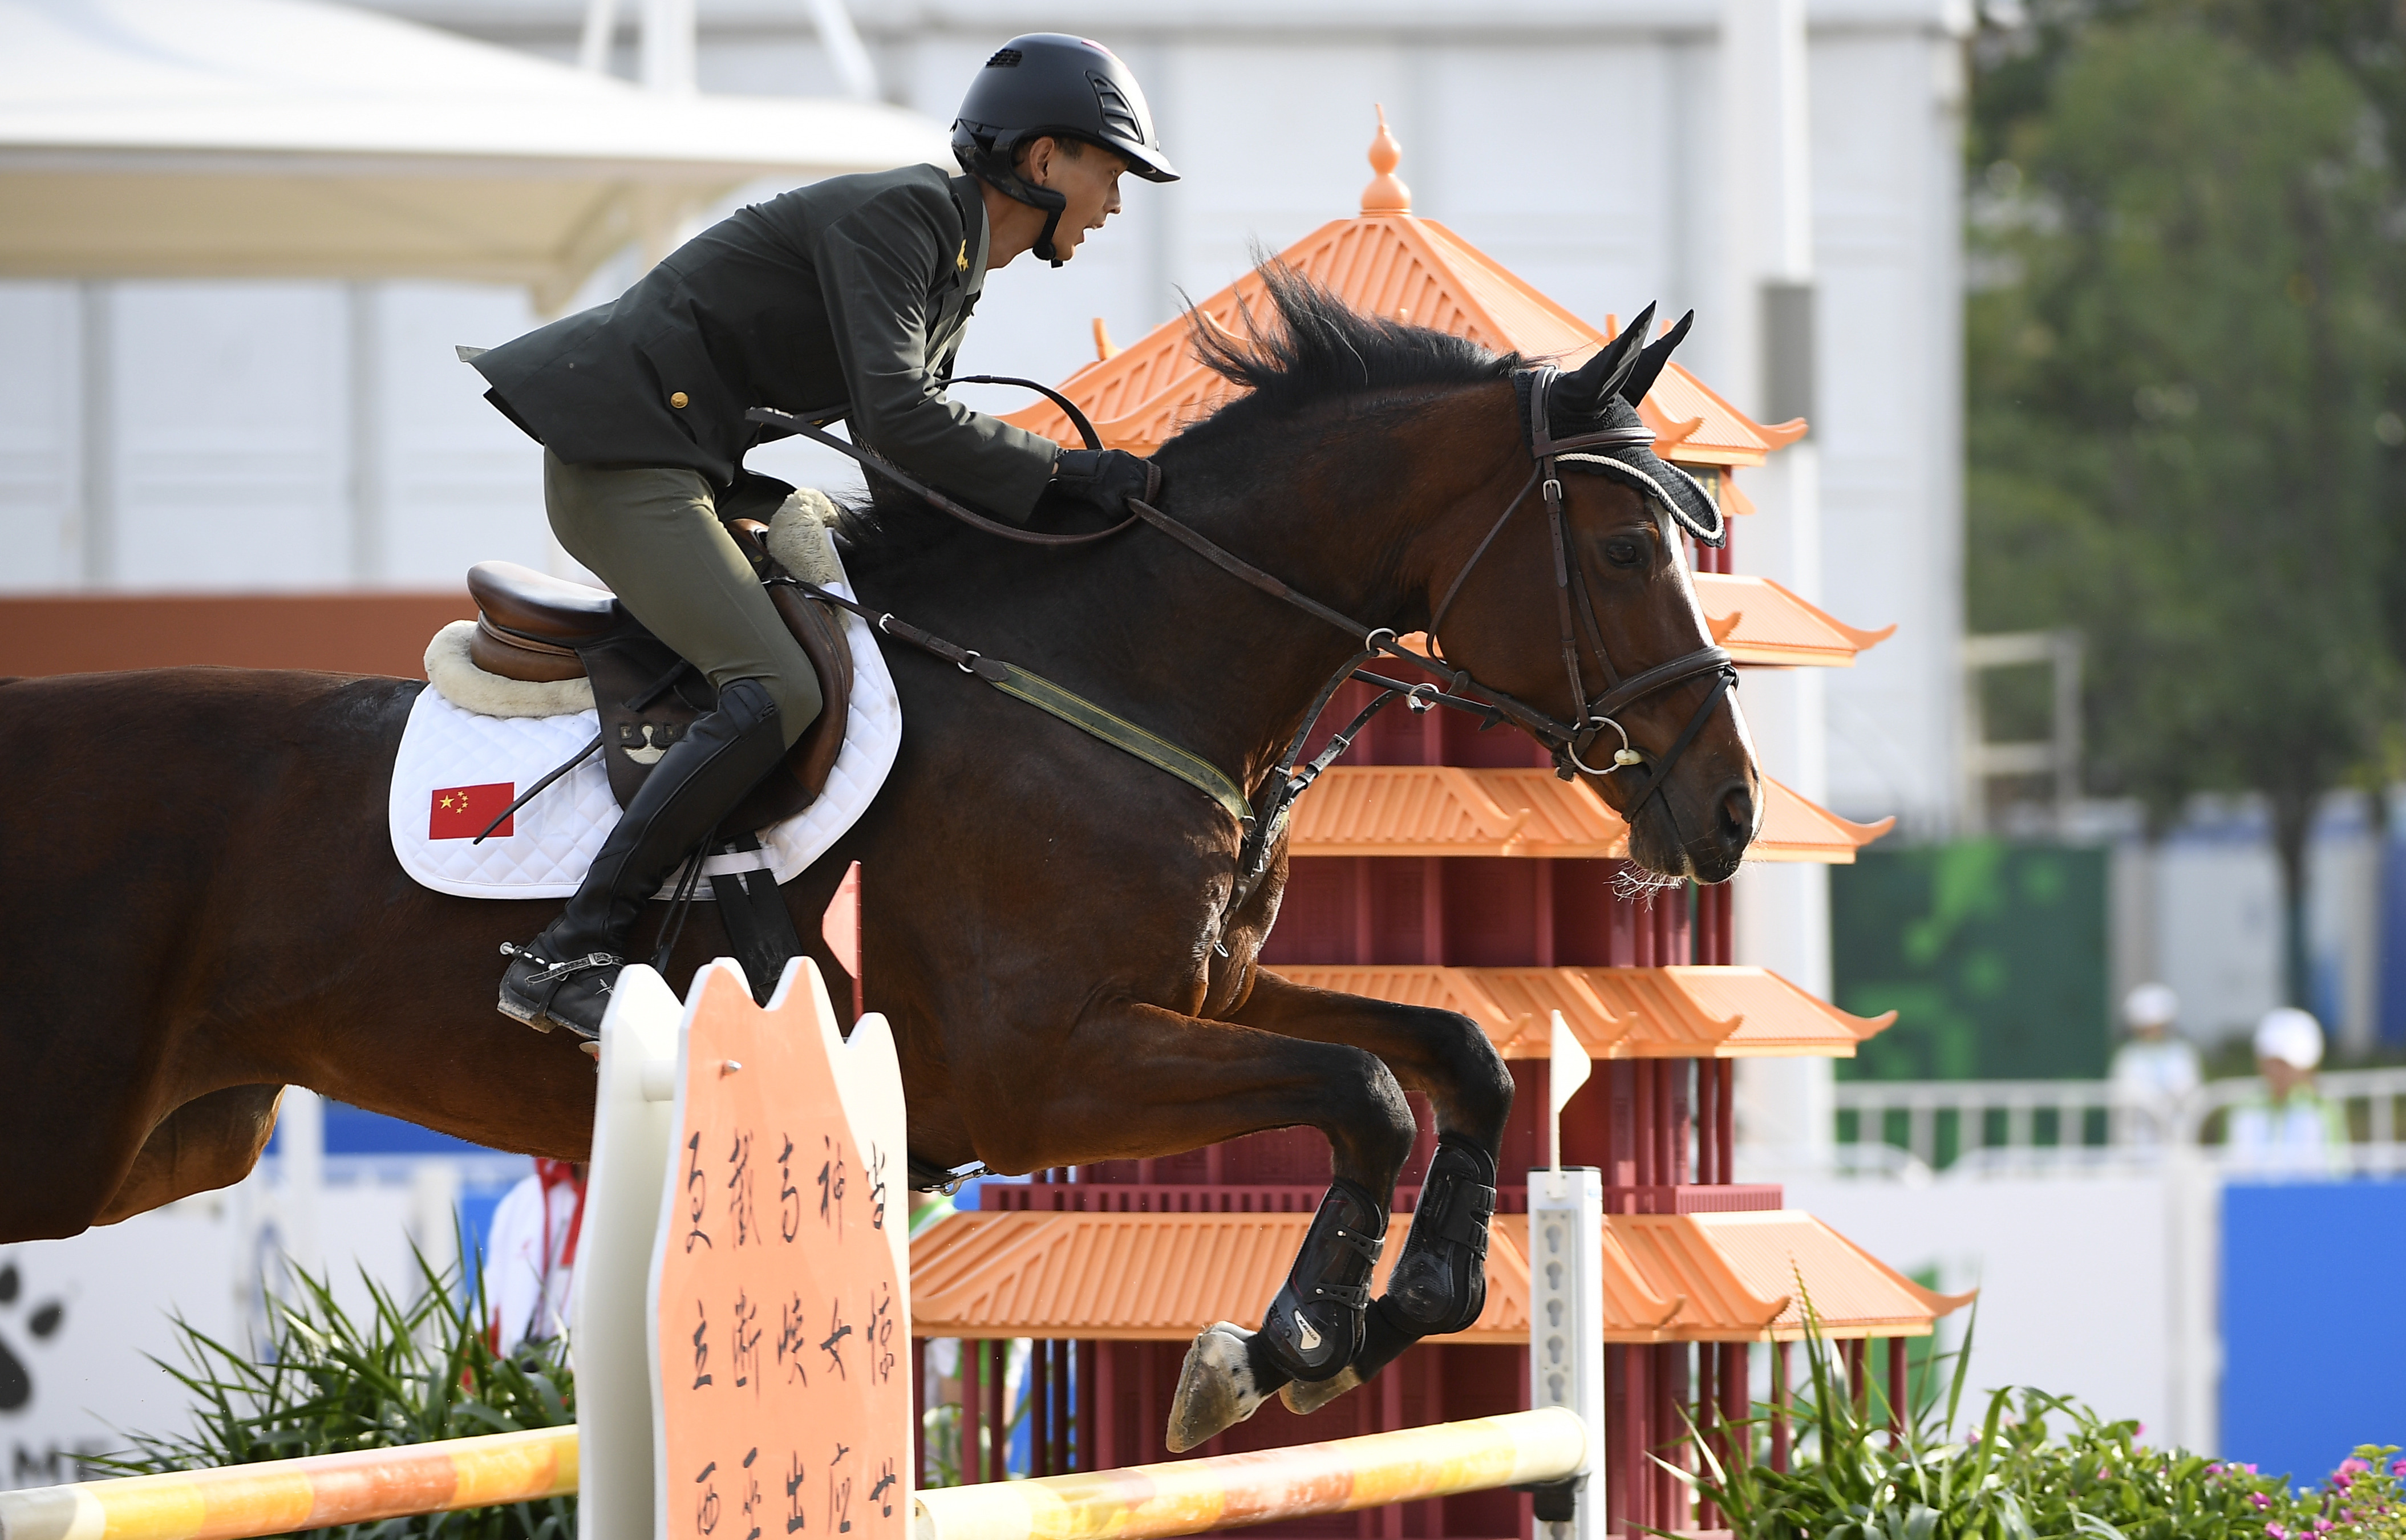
1191, 1496
279, 1496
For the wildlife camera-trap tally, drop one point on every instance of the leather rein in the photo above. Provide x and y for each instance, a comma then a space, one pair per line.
1567, 742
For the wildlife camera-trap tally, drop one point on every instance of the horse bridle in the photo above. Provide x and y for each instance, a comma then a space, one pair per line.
1575, 612
1567, 742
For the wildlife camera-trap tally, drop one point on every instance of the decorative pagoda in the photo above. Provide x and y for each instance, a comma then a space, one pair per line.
1437, 865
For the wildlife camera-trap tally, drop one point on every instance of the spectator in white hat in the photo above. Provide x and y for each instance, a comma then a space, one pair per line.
2154, 1070
2288, 1129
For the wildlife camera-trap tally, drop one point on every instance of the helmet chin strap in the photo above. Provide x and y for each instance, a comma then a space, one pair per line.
1054, 205
999, 173
1044, 242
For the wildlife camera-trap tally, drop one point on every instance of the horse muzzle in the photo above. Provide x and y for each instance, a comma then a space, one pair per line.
1702, 838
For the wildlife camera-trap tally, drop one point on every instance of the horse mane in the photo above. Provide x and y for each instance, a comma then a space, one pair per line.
1315, 349
1310, 349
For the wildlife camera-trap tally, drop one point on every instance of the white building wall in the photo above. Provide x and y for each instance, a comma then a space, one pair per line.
1887, 108
458, 484
40, 395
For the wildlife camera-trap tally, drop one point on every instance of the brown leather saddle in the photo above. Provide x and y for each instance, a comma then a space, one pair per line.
530, 626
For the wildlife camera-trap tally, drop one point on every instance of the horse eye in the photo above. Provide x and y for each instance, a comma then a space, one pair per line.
1624, 553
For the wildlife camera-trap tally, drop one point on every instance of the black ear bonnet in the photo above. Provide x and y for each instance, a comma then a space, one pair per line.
1601, 396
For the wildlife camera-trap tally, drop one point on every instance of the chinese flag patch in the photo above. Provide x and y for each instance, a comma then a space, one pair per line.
461, 813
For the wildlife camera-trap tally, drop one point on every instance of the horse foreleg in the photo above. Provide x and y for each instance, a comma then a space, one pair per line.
1138, 1080
209, 1142
1439, 1284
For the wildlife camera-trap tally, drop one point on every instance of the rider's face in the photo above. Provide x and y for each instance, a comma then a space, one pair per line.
1090, 180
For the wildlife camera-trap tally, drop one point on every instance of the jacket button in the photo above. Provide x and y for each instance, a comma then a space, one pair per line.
677, 401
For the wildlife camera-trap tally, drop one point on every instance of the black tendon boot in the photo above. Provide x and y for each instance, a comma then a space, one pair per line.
562, 978
1439, 1284
1314, 1326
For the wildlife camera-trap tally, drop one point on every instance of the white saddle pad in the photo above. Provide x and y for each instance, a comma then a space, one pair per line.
456, 770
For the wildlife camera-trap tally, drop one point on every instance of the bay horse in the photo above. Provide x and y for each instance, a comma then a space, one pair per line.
202, 906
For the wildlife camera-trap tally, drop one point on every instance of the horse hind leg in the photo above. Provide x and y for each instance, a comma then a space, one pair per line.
209, 1142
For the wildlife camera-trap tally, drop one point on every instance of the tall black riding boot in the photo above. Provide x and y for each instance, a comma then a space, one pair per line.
562, 978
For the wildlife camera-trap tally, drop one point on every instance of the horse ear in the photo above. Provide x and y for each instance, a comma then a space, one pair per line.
1583, 392
1649, 362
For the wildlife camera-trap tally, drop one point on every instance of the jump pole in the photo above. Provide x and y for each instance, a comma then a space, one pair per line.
1138, 1502
1192, 1496
279, 1496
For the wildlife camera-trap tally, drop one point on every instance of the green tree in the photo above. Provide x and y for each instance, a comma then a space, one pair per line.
2184, 349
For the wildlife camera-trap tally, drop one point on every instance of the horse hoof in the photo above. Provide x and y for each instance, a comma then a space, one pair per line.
1215, 1388
1304, 1398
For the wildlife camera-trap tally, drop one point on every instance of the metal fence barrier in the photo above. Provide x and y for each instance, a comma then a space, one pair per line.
2016, 1125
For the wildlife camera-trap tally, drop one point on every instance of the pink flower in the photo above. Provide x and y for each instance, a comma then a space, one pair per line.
2321, 1526
2214, 1469
2275, 1530
2260, 1500
2398, 1467
2351, 1466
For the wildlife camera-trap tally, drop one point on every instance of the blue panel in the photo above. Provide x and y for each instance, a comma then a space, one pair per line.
2314, 1363
352, 1131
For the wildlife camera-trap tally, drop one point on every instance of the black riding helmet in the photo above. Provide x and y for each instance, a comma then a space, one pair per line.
1051, 83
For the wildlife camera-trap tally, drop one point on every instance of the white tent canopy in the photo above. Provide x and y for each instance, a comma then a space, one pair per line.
286, 138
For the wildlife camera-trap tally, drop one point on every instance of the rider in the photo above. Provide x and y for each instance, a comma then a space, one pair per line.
844, 298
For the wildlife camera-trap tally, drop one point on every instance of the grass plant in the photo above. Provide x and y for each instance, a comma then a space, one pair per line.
2038, 1466
326, 1381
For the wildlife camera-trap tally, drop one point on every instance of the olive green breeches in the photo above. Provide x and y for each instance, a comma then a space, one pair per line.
652, 533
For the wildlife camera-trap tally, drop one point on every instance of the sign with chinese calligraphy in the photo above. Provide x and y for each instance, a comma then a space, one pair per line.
780, 1338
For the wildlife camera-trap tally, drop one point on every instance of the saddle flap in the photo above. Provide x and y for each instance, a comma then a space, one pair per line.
647, 699
627, 664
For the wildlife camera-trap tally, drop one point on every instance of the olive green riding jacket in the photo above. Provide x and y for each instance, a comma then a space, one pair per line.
848, 296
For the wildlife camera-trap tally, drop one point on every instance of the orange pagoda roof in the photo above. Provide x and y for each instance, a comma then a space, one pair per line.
1761, 623
1687, 1012
1387, 262
1163, 1277
1449, 810
1726, 1268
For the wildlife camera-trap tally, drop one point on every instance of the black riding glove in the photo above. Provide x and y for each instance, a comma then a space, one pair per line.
1099, 479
